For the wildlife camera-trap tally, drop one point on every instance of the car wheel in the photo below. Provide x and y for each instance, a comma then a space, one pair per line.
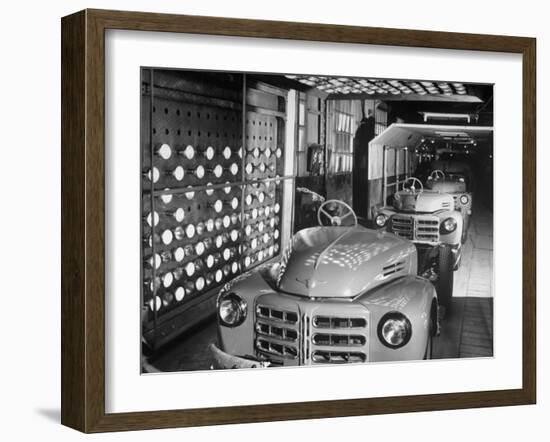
465, 228
432, 331
429, 344
445, 279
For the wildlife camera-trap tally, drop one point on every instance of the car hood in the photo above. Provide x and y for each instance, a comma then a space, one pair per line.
447, 186
343, 262
426, 201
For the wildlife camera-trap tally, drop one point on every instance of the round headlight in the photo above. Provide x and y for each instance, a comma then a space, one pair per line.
179, 254
381, 220
231, 310
394, 330
190, 269
190, 230
464, 199
199, 248
209, 261
189, 152
179, 214
199, 171
179, 173
209, 152
448, 226
199, 283
167, 236
164, 151
227, 152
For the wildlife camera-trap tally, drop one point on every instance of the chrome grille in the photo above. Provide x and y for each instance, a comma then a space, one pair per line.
339, 339
277, 315
338, 322
402, 226
421, 228
285, 334
276, 332
276, 349
427, 229
300, 331
338, 357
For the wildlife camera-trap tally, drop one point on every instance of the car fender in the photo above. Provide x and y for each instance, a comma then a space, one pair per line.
455, 236
388, 212
414, 297
465, 209
240, 340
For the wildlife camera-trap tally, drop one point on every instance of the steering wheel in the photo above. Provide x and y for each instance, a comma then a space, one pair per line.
412, 187
436, 175
336, 220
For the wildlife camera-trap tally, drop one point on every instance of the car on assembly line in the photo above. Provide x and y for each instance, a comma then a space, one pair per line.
453, 162
455, 185
429, 219
341, 293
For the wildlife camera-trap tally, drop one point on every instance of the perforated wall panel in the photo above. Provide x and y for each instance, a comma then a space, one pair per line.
211, 209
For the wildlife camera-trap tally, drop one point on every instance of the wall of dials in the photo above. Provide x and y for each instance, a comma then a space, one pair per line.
212, 193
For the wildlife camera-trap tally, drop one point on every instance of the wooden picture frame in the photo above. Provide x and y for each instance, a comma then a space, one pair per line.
83, 217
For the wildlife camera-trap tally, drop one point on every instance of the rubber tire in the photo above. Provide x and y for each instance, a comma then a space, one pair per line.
445, 279
465, 227
432, 330
428, 354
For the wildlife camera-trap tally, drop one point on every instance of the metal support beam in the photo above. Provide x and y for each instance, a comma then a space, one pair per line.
385, 175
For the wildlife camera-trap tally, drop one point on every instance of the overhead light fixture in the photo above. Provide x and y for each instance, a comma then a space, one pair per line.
452, 134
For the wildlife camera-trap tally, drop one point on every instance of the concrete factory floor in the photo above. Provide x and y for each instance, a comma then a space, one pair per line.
467, 334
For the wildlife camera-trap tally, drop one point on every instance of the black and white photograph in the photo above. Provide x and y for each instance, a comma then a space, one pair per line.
245, 221
297, 219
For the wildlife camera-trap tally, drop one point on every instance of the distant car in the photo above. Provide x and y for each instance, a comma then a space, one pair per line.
455, 185
341, 293
455, 163
430, 220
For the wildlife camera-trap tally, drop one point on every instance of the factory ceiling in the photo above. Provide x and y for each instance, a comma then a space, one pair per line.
347, 88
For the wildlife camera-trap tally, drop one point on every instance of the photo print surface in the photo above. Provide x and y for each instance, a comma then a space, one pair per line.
297, 220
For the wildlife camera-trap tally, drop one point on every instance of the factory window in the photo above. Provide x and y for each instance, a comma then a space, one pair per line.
380, 120
301, 152
309, 152
342, 118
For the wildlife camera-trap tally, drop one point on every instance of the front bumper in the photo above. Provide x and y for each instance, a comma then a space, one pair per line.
225, 360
